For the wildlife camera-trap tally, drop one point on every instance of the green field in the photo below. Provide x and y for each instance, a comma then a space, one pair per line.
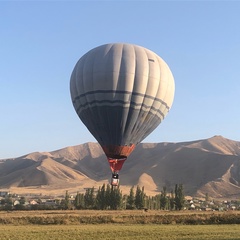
151, 225
113, 231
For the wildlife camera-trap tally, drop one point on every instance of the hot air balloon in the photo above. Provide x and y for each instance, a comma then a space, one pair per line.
121, 92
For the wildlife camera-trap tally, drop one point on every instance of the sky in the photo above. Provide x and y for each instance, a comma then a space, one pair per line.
41, 41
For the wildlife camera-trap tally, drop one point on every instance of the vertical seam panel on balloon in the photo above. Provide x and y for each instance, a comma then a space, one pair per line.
96, 135
147, 132
136, 135
118, 138
129, 118
167, 88
110, 124
107, 127
141, 129
127, 109
99, 119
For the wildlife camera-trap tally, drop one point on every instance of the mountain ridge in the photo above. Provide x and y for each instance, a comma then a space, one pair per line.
203, 166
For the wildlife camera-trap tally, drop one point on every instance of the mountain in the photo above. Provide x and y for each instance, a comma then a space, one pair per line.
204, 166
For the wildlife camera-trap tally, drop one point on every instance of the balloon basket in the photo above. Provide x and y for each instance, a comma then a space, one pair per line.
115, 179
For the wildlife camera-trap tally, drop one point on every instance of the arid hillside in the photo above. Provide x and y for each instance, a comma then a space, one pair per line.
204, 166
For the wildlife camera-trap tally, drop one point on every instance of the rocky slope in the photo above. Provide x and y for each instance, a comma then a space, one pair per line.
205, 166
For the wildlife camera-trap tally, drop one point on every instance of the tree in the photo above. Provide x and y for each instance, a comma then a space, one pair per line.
116, 198
156, 201
206, 197
179, 197
101, 198
131, 199
3, 201
89, 198
65, 203
8, 202
108, 196
140, 198
171, 201
19, 207
163, 198
22, 200
79, 201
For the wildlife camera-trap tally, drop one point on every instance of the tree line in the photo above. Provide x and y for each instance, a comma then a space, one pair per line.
108, 197
104, 198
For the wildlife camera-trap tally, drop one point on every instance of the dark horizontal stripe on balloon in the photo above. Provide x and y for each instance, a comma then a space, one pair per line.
92, 103
121, 92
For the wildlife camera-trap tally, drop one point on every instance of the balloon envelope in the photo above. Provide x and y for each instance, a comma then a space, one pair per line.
121, 92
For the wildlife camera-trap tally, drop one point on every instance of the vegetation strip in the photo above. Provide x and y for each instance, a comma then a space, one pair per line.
77, 217
124, 231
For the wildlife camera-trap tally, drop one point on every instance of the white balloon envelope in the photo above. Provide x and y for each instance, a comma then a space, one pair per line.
121, 92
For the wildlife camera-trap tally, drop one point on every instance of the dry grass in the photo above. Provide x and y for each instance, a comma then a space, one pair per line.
112, 231
89, 224
79, 217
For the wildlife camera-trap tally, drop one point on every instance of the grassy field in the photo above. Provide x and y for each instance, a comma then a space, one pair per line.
59, 225
78, 217
113, 231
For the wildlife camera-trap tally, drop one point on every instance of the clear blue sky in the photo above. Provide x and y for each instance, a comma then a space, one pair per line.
40, 42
